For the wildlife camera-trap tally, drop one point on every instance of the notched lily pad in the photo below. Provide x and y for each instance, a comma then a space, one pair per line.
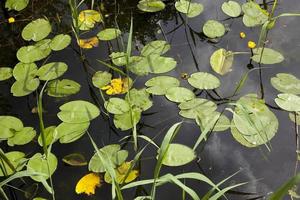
204, 81
213, 29
5, 73
36, 30
221, 61
189, 8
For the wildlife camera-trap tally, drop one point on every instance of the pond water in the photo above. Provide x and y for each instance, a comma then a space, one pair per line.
221, 155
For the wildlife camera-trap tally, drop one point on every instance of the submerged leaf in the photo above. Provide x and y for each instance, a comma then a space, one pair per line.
75, 159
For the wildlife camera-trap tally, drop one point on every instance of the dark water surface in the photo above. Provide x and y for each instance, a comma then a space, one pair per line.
222, 155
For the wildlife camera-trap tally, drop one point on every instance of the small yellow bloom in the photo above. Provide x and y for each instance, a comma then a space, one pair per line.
88, 43
242, 35
251, 44
117, 86
88, 183
11, 20
121, 173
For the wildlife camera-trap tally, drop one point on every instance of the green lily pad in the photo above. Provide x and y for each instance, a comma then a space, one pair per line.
59, 42
38, 163
216, 121
288, 102
118, 58
192, 108
24, 71
139, 65
52, 71
16, 158
239, 137
159, 64
286, 83
254, 15
112, 152
292, 118
221, 61
36, 30
179, 94
49, 136
75, 159
16, 5
151, 5
9, 125
139, 99
78, 112
30, 54
117, 106
231, 8
189, 8
127, 120
109, 34
62, 88
5, 73
22, 137
268, 56
178, 155
213, 29
24, 87
101, 79
67, 132
160, 84
155, 47
204, 81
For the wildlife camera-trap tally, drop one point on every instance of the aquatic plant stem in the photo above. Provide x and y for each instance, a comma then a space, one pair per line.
297, 142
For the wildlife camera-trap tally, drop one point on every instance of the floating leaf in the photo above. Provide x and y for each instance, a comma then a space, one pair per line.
127, 120
17, 5
155, 47
112, 152
62, 88
292, 118
16, 158
254, 120
268, 56
75, 159
109, 34
5, 73
59, 42
24, 71
38, 163
178, 155
39, 51
88, 183
216, 121
139, 65
88, 18
67, 132
117, 106
159, 64
78, 112
231, 8
179, 94
213, 29
52, 71
88, 43
204, 81
24, 87
8, 126
101, 79
221, 61
192, 108
254, 15
118, 58
36, 30
288, 102
139, 99
286, 83
239, 137
22, 137
123, 172
49, 136
160, 84
151, 5
189, 8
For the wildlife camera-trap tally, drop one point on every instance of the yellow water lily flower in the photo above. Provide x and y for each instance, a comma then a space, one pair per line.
117, 86
242, 35
121, 173
88, 18
88, 183
88, 43
11, 20
251, 44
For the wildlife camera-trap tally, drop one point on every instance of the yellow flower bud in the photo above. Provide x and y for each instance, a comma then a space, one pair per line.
251, 44
242, 35
11, 20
